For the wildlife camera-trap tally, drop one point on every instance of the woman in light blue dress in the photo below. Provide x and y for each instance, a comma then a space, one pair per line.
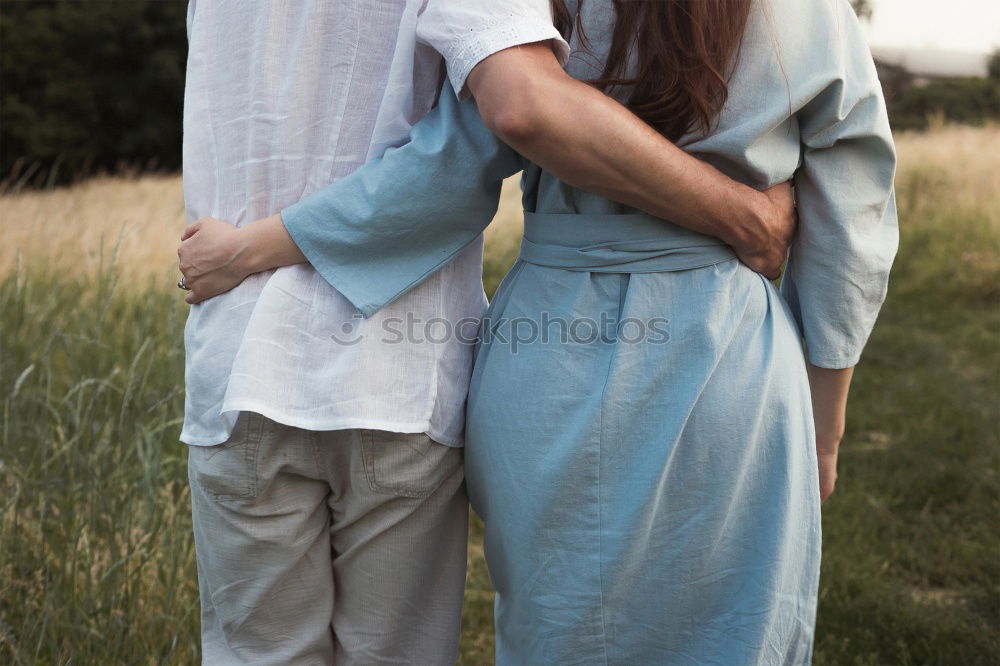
640, 431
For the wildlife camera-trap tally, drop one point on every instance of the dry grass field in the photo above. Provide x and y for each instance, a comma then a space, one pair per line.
137, 221
96, 561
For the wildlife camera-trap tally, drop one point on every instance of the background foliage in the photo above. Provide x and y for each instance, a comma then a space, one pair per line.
91, 86
86, 86
961, 100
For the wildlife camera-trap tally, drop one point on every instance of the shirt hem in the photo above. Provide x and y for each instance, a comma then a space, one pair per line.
834, 362
409, 427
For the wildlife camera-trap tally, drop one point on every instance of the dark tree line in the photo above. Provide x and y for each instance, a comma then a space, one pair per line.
970, 101
88, 86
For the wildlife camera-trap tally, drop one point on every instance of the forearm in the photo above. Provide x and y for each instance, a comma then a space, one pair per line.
379, 231
590, 141
610, 152
382, 229
269, 245
829, 388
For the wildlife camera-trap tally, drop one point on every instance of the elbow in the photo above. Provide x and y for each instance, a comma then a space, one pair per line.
518, 93
517, 118
516, 125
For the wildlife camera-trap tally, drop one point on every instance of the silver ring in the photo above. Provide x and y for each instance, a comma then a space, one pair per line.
181, 284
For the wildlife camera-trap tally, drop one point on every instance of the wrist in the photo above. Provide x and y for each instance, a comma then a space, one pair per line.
267, 244
829, 434
253, 247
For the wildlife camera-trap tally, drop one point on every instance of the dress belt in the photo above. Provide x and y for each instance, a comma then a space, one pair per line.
635, 243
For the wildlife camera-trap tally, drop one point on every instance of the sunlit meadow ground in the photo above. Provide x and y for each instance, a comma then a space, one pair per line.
96, 562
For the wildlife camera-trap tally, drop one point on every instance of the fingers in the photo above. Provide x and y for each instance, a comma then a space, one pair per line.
187, 269
195, 292
780, 190
783, 225
190, 230
827, 473
826, 489
767, 267
196, 295
204, 288
185, 283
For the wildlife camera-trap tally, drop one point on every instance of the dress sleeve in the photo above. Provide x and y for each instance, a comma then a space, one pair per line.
466, 32
383, 229
838, 267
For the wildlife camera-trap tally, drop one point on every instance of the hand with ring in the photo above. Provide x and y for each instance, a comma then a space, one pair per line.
212, 259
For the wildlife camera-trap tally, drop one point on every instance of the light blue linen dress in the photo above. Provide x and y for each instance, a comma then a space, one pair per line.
639, 438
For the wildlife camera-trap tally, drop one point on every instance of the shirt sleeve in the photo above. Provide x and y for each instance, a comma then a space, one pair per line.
465, 32
838, 267
383, 229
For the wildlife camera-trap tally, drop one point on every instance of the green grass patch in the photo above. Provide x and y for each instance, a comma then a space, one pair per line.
96, 554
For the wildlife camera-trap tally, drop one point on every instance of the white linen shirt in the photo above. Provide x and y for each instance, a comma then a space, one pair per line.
280, 100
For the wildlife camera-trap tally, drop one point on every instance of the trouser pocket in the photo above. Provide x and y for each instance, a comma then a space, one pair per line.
228, 471
407, 464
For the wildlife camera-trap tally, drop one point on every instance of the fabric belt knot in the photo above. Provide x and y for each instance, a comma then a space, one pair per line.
632, 243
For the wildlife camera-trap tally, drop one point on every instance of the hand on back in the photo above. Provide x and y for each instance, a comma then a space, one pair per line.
765, 251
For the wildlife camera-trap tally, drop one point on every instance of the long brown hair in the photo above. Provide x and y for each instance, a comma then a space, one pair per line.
684, 54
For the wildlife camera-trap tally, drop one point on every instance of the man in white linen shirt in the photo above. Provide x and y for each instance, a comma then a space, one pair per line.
329, 510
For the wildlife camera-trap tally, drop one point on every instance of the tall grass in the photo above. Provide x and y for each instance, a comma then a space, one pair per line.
96, 557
